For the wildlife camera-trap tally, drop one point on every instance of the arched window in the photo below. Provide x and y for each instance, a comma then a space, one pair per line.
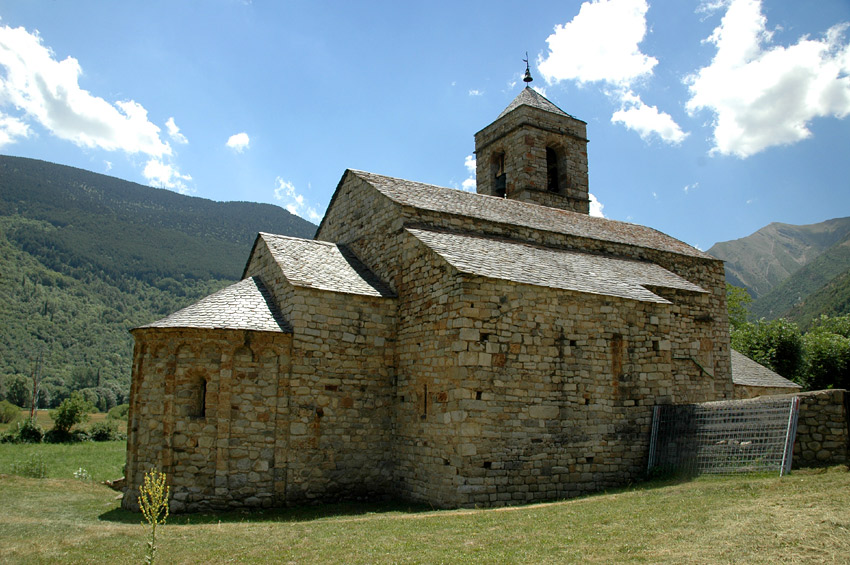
552, 177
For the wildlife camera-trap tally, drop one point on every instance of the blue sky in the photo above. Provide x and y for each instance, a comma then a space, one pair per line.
707, 119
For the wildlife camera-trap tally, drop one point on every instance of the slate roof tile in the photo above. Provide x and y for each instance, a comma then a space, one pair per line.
747, 372
530, 97
324, 266
245, 305
513, 212
554, 268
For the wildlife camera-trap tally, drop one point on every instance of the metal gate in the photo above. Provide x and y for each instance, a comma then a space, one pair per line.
726, 437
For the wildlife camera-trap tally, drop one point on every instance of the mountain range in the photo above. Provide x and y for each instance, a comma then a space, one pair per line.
790, 271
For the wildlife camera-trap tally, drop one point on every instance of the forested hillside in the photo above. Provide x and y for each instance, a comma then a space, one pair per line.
803, 296
85, 257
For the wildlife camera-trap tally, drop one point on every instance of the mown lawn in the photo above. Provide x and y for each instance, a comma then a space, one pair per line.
101, 460
800, 518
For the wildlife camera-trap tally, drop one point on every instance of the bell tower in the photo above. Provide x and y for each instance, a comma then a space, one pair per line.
534, 152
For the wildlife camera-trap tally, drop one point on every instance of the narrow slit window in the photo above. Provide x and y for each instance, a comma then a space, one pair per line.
199, 409
552, 182
500, 178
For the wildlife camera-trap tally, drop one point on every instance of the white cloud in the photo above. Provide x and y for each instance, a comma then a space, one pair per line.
166, 175
107, 165
540, 90
764, 95
690, 187
647, 120
475, 92
295, 202
239, 142
11, 129
43, 90
600, 44
469, 185
47, 91
174, 132
596, 207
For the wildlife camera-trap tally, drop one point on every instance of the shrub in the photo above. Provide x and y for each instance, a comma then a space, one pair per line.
73, 410
106, 430
23, 432
828, 360
58, 436
8, 412
30, 432
35, 467
776, 344
61, 436
119, 412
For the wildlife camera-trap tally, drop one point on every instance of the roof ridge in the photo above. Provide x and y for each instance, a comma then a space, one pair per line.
290, 237
539, 217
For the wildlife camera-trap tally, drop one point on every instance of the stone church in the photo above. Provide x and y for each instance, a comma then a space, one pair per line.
435, 345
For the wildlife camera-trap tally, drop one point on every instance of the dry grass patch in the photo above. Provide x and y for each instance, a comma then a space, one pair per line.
43, 419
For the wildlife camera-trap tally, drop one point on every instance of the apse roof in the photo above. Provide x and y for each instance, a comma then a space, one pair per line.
245, 305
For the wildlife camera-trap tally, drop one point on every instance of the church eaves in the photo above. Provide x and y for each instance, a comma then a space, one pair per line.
245, 305
553, 268
323, 266
512, 212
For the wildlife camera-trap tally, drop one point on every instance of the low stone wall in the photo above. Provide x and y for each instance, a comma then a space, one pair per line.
823, 428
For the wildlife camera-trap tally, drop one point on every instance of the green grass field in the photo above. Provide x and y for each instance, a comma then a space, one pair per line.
800, 518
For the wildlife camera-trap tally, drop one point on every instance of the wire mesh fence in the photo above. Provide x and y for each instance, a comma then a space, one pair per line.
724, 437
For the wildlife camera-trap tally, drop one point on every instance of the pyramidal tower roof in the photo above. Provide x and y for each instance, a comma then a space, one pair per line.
530, 97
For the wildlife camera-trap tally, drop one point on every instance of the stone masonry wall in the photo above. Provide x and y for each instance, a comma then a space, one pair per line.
377, 243
207, 407
429, 439
560, 388
341, 387
341, 382
823, 428
702, 330
510, 393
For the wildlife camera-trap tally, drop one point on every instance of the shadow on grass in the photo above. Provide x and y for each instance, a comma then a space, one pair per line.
292, 514
352, 509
